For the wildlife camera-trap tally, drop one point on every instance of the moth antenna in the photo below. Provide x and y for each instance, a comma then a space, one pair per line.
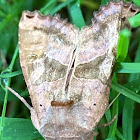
113, 100
94, 134
21, 98
107, 124
104, 125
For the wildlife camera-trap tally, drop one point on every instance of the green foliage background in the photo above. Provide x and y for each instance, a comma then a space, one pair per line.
15, 121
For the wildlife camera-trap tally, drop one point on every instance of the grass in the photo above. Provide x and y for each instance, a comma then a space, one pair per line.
15, 118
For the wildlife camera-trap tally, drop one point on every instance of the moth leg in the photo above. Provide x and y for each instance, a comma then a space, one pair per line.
90, 135
21, 98
32, 111
113, 100
103, 125
107, 124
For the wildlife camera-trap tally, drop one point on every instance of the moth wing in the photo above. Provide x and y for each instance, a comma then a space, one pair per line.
95, 59
45, 47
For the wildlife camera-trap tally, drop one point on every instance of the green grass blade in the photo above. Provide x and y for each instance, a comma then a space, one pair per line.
127, 120
108, 115
123, 45
6, 82
104, 2
114, 138
60, 6
135, 21
113, 126
137, 2
79, 2
77, 18
139, 136
119, 135
125, 91
48, 7
12, 74
127, 67
135, 84
19, 129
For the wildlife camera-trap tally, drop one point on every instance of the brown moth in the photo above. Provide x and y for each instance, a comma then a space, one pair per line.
68, 72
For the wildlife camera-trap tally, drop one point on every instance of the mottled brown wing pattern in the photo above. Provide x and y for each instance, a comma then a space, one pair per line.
95, 59
46, 46
68, 72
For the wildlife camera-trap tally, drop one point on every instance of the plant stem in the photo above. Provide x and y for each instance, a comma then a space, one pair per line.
7, 83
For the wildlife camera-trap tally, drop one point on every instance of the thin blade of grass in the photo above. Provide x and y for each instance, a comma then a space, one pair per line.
104, 2
79, 2
12, 74
137, 2
123, 45
113, 126
135, 21
127, 119
135, 84
76, 15
6, 82
114, 138
108, 115
127, 67
125, 91
48, 7
119, 134
60, 6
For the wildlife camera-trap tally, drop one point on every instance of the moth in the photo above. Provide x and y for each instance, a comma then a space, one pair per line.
68, 71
